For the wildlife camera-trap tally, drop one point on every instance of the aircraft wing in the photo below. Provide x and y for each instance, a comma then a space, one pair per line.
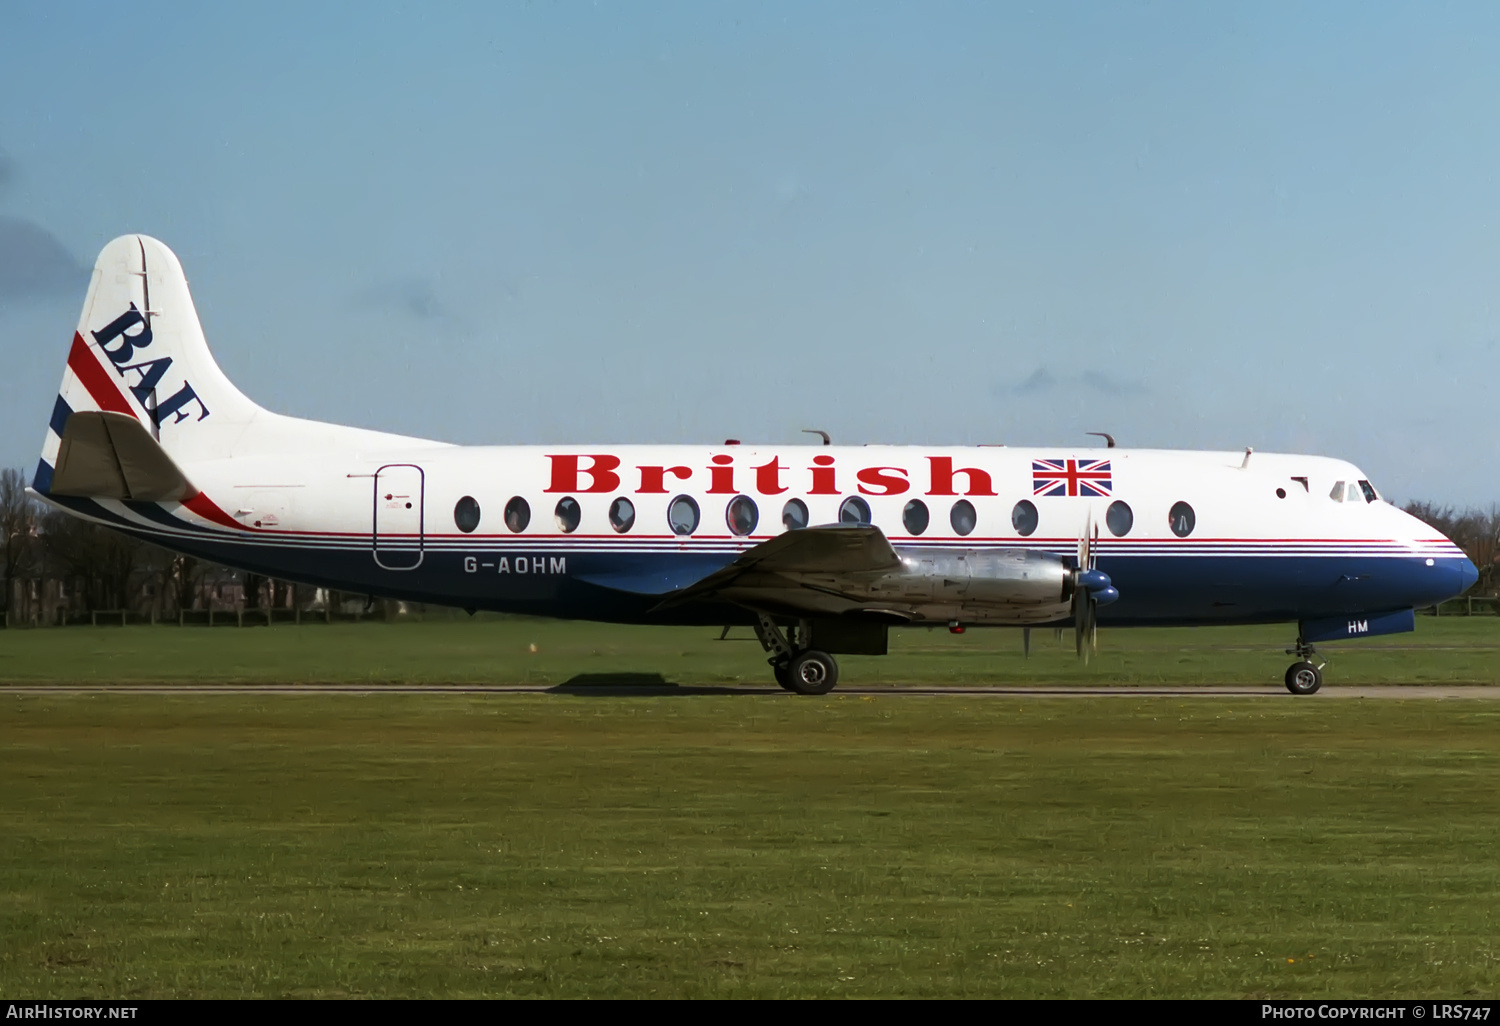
834, 548
776, 570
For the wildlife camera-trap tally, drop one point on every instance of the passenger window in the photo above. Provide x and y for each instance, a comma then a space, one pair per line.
1182, 519
1024, 518
1337, 495
568, 514
794, 515
622, 514
1119, 518
1370, 494
962, 517
517, 514
466, 514
682, 515
915, 517
854, 512
742, 515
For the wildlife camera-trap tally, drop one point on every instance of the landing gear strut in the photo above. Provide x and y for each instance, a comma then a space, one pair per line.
1305, 676
806, 671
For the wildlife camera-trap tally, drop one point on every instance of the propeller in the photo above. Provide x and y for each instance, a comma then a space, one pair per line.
1085, 607
1092, 588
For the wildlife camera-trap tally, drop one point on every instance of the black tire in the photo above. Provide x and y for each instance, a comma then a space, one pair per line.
782, 670
812, 673
1303, 678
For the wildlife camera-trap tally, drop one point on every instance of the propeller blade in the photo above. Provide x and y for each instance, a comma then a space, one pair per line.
1094, 602
1083, 622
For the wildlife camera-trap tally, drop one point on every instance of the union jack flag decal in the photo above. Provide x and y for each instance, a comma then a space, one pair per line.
1071, 477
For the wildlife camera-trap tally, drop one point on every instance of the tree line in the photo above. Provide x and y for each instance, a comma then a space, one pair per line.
55, 562
54, 565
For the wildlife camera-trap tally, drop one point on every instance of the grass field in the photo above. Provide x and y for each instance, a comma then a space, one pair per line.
501, 651
751, 844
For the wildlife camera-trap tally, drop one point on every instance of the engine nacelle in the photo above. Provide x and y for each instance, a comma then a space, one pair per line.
972, 585
1006, 577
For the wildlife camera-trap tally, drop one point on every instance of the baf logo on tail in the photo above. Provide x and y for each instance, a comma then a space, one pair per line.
116, 341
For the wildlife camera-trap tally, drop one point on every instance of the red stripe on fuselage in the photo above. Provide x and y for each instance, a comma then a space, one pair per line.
209, 510
105, 393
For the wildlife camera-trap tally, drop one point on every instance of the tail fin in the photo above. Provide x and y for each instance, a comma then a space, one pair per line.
139, 352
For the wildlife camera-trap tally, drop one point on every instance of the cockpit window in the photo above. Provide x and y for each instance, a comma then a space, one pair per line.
1370, 494
1337, 495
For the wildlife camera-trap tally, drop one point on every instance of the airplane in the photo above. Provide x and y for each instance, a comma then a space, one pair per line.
821, 549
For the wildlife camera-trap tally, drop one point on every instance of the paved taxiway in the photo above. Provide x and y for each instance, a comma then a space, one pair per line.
1377, 691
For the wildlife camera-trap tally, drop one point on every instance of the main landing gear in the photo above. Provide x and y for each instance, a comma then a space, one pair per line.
1304, 677
806, 671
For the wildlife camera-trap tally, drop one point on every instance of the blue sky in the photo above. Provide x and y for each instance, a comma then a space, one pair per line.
1192, 225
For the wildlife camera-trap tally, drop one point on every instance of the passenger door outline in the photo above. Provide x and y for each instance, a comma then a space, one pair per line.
397, 530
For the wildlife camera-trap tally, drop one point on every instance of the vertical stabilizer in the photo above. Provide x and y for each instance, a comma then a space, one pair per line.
139, 351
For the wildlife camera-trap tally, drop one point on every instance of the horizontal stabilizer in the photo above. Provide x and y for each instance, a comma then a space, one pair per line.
108, 455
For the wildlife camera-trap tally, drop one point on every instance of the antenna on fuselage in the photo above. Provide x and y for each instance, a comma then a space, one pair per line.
1249, 451
1109, 439
820, 433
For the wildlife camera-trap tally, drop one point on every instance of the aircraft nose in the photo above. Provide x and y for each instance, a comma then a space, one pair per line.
1468, 573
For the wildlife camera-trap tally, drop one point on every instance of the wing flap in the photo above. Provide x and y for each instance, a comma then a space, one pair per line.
833, 548
830, 549
112, 456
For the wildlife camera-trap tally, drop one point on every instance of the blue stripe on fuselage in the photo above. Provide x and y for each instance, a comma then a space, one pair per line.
1155, 590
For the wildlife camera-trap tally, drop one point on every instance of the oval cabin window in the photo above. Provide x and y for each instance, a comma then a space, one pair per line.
854, 511
1119, 519
963, 518
741, 515
1024, 518
682, 515
466, 514
915, 517
1182, 519
622, 515
569, 513
794, 515
517, 514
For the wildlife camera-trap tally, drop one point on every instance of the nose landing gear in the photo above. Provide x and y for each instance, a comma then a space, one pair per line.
806, 671
1304, 677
